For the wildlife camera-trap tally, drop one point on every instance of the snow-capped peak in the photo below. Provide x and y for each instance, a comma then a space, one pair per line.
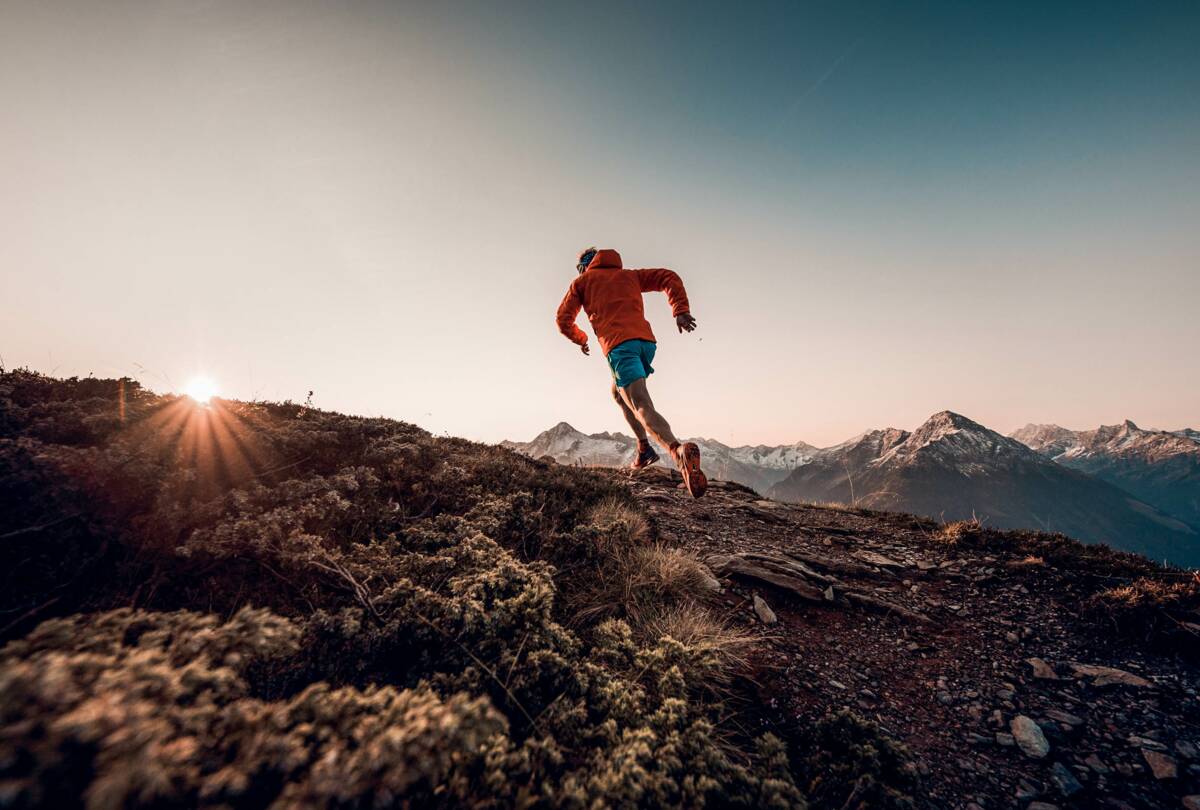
952, 440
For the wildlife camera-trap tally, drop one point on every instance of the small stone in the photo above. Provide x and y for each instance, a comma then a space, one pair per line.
1042, 670
765, 614
1064, 780
1186, 750
1146, 742
945, 698
1005, 739
1096, 764
1163, 766
1029, 737
1191, 802
875, 558
1042, 806
709, 582
1011, 637
1065, 718
828, 594
1108, 676
1027, 790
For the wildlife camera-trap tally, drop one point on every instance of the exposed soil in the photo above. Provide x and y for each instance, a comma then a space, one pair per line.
949, 687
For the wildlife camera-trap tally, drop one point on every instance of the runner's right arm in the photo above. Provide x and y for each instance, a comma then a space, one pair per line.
568, 311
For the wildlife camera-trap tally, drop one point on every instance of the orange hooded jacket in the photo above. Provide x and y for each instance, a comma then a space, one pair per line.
612, 298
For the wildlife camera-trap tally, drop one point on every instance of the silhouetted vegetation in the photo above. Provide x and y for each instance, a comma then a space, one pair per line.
253, 604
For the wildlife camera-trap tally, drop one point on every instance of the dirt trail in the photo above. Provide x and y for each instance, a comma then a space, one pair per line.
981, 638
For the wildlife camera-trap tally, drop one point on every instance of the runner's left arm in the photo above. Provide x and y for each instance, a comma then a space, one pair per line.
668, 281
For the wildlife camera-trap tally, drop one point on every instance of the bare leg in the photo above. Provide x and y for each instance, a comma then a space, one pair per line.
638, 430
637, 399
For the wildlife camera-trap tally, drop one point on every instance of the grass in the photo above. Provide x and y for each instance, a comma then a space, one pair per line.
660, 591
958, 531
1164, 615
721, 651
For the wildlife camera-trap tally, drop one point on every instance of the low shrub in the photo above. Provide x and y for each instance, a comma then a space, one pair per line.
853, 765
414, 639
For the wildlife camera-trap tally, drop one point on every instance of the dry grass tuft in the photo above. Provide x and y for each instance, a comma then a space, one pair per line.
661, 575
636, 581
959, 531
1164, 614
719, 650
641, 580
620, 526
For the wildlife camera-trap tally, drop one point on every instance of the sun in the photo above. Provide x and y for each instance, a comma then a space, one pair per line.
201, 389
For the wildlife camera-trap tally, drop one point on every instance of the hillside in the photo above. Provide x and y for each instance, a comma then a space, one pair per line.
955, 469
253, 604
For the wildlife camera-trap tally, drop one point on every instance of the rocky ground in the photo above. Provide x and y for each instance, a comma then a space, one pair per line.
978, 659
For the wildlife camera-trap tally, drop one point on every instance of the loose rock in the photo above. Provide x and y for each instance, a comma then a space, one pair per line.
1029, 737
1064, 780
765, 614
1162, 765
1108, 676
1042, 670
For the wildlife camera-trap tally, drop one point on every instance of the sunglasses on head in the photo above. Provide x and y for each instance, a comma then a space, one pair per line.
586, 258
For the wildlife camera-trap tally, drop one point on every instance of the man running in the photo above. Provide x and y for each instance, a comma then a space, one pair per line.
612, 298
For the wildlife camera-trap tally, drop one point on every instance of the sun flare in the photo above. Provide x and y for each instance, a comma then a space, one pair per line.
201, 389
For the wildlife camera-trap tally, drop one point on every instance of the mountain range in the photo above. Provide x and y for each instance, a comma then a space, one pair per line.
756, 466
1158, 466
1137, 490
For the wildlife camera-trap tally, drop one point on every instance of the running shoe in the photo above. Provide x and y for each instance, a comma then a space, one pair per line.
688, 459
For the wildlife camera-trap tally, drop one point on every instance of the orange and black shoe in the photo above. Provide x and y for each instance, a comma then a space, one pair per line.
687, 456
645, 457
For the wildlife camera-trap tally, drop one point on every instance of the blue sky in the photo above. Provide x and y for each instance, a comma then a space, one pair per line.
880, 209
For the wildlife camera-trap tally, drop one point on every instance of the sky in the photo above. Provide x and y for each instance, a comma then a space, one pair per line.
880, 210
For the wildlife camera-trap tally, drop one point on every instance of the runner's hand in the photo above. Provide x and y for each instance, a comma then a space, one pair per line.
685, 322
584, 348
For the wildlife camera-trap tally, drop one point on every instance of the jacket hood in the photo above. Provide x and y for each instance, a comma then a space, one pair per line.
606, 258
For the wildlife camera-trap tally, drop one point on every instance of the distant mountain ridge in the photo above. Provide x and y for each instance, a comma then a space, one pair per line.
755, 466
1158, 466
1135, 489
954, 468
